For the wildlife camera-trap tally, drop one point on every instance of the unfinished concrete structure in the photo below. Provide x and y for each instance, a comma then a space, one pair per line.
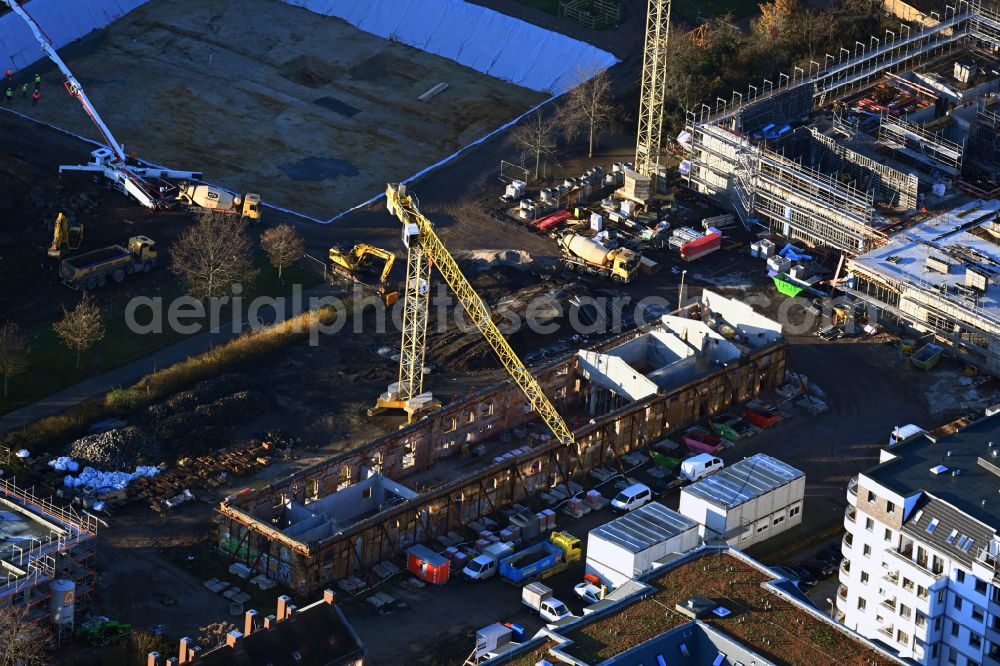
839, 182
262, 527
46, 551
940, 277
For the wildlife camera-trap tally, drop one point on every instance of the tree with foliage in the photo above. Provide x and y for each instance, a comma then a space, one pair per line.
590, 106
82, 327
775, 17
283, 245
14, 352
536, 135
212, 256
22, 642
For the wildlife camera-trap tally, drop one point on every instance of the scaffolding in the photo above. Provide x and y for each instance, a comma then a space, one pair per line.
66, 551
916, 143
984, 140
593, 14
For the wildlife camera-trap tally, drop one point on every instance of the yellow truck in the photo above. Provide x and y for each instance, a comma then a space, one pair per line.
93, 269
586, 255
217, 201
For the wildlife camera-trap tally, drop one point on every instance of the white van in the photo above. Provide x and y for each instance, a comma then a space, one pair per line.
700, 466
631, 498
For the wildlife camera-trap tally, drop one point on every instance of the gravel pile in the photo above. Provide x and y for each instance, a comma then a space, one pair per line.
118, 449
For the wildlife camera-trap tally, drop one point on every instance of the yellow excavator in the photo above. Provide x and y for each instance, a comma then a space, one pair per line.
352, 262
67, 235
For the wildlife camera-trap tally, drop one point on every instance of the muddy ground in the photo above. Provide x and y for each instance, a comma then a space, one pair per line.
310, 112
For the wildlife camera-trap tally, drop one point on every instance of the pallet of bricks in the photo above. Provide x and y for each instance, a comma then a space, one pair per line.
204, 472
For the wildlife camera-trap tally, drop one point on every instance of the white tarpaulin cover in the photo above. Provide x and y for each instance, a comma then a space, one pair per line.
62, 20
487, 41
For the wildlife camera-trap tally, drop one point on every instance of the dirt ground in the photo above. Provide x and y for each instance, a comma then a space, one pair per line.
308, 111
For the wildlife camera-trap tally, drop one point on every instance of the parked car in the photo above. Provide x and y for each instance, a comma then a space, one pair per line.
588, 592
631, 498
803, 575
831, 554
817, 567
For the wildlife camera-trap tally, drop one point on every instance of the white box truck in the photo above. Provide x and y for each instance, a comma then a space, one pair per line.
539, 597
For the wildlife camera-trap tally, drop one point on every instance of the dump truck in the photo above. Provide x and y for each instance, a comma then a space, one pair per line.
538, 561
586, 255
217, 201
93, 269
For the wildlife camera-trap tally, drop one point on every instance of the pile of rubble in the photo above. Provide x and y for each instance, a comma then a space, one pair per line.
120, 448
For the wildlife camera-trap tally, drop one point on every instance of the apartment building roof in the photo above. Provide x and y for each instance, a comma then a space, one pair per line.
948, 530
961, 469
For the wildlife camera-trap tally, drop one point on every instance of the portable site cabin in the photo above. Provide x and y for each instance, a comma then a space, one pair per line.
427, 565
747, 502
630, 546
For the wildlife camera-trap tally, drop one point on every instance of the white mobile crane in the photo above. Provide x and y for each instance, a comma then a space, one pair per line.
110, 159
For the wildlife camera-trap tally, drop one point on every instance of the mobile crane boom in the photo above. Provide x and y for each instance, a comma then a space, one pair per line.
112, 159
420, 237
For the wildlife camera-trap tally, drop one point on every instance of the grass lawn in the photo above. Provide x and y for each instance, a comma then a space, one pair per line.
696, 11
52, 365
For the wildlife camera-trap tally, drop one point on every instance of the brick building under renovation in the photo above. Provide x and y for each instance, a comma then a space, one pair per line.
365, 506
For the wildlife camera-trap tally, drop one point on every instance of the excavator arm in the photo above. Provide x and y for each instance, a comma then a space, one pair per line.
419, 229
388, 258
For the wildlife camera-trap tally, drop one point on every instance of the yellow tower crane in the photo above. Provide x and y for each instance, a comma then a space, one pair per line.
424, 250
654, 85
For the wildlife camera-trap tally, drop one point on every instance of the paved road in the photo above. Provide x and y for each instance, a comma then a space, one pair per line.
128, 374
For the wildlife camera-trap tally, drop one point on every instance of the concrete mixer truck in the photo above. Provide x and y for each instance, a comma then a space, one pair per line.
585, 255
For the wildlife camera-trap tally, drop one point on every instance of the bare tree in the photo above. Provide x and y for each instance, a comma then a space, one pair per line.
284, 246
590, 106
14, 352
537, 136
213, 255
82, 327
144, 641
22, 642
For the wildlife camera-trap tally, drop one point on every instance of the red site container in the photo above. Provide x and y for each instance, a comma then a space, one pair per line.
427, 565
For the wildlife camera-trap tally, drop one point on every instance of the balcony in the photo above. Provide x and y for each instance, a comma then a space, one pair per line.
891, 577
845, 566
850, 516
847, 544
852, 492
888, 631
889, 604
842, 591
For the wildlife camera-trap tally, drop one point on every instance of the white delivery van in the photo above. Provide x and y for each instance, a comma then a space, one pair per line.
487, 564
631, 498
700, 466
900, 433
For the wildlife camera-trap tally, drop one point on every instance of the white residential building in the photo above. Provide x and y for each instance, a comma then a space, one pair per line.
921, 572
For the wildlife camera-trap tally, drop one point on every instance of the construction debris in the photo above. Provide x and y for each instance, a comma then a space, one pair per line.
121, 448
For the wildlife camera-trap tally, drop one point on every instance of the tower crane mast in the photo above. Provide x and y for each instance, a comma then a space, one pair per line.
424, 250
654, 83
111, 159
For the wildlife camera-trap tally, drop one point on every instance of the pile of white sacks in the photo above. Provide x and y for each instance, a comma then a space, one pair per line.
97, 479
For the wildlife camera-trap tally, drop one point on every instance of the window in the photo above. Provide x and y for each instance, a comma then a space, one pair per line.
890, 508
952, 655
864, 576
861, 604
957, 603
931, 526
452, 425
922, 592
951, 536
888, 535
902, 637
980, 586
975, 640
907, 584
959, 576
871, 497
779, 520
940, 598
938, 623
904, 611
794, 511
954, 629
977, 614
867, 550
921, 620
869, 524
471, 416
